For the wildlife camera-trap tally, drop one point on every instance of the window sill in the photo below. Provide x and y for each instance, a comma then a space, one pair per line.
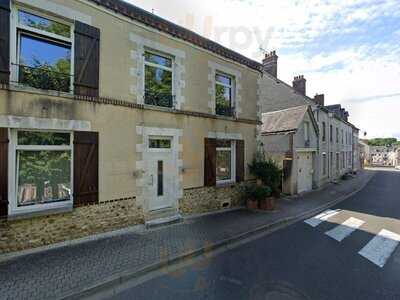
22, 215
159, 108
226, 184
32, 90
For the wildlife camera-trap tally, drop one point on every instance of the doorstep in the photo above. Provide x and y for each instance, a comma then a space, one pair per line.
163, 217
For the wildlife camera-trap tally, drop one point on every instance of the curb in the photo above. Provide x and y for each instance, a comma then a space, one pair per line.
129, 275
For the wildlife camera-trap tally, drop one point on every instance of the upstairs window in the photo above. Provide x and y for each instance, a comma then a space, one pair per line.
307, 132
224, 95
158, 80
323, 131
44, 52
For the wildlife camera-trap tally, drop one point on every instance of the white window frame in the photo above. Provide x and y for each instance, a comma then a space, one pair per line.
170, 69
15, 39
230, 86
232, 150
158, 137
14, 210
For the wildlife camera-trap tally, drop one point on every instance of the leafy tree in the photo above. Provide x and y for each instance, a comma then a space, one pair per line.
383, 142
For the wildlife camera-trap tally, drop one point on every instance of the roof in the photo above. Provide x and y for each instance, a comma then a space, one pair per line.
286, 121
140, 15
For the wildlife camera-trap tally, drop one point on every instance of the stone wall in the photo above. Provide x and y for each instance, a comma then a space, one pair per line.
81, 222
208, 199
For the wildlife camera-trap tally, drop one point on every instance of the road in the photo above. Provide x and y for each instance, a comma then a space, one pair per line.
348, 252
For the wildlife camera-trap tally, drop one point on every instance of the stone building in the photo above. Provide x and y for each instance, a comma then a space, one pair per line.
111, 116
290, 137
337, 152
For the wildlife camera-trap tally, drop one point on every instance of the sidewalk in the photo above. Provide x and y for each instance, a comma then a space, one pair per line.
67, 271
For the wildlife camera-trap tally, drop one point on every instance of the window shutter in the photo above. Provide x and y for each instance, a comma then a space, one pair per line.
210, 162
86, 168
3, 172
240, 161
87, 60
4, 41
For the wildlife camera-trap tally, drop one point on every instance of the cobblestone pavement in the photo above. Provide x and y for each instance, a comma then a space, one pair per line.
59, 272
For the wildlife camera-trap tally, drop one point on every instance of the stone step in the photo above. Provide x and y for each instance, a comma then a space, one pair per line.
153, 223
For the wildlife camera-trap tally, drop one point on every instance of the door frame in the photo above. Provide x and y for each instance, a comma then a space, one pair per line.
304, 151
176, 154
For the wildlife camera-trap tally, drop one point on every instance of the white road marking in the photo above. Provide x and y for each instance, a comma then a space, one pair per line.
315, 221
381, 247
342, 231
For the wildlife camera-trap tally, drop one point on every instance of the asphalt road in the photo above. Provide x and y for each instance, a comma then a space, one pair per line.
315, 259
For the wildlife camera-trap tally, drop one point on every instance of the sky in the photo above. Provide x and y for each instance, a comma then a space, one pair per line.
348, 50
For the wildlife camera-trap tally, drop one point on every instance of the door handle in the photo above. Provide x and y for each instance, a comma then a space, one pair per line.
151, 180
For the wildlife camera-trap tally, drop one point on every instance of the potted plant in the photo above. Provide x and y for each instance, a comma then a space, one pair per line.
249, 192
267, 172
267, 202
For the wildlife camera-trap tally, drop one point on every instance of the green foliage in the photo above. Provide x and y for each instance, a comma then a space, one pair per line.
383, 142
49, 77
256, 192
267, 171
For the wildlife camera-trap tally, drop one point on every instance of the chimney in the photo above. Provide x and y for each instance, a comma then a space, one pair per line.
320, 99
270, 63
299, 84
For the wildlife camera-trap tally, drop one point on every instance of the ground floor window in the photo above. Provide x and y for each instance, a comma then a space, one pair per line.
225, 161
43, 167
324, 164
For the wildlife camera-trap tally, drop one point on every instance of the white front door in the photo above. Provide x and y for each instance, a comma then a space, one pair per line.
161, 173
305, 172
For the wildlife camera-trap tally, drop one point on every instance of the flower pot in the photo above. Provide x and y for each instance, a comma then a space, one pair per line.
268, 204
252, 204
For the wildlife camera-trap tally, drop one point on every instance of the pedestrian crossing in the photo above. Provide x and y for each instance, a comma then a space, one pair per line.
377, 251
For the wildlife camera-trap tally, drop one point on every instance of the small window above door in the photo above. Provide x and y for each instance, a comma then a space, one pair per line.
160, 143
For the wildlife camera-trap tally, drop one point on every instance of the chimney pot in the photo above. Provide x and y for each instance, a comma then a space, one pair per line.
320, 99
299, 84
270, 63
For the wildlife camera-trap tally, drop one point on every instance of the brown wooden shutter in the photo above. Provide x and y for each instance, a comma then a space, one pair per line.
86, 168
3, 172
240, 168
4, 41
87, 60
210, 162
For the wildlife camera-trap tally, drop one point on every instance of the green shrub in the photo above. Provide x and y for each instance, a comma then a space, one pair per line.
267, 171
256, 192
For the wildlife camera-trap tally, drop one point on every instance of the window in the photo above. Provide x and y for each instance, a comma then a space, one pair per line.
44, 52
342, 137
324, 164
307, 132
343, 160
337, 135
225, 161
337, 161
158, 83
43, 168
331, 133
159, 143
224, 95
323, 131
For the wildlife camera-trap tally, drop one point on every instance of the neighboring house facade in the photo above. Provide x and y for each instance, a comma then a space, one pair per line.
336, 134
365, 153
111, 116
382, 156
290, 137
